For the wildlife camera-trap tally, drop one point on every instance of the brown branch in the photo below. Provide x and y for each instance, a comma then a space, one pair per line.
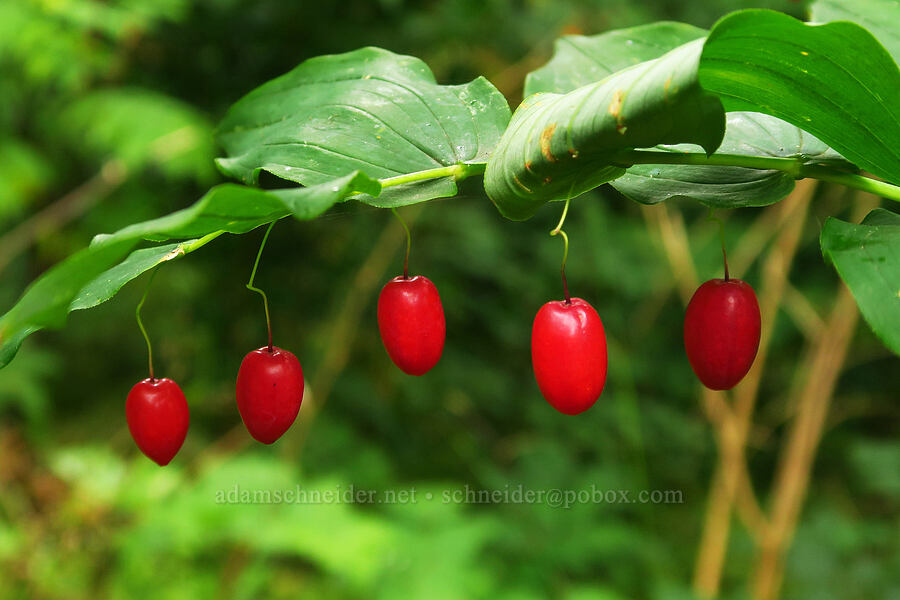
731, 478
822, 367
57, 214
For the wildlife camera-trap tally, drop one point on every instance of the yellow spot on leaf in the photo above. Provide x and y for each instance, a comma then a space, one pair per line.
546, 139
520, 184
615, 109
804, 53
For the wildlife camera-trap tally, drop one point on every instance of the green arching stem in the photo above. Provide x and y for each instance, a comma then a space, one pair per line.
408, 243
199, 243
137, 315
458, 172
257, 290
851, 180
794, 167
559, 231
712, 217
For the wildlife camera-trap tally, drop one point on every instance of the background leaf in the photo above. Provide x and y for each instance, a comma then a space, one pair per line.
835, 81
368, 110
867, 257
559, 146
141, 128
24, 173
579, 60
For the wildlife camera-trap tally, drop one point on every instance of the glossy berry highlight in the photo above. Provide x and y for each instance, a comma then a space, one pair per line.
721, 332
269, 392
568, 353
158, 418
411, 323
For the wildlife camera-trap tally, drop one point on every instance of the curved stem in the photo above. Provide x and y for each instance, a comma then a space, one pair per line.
408, 243
794, 167
257, 290
137, 315
559, 231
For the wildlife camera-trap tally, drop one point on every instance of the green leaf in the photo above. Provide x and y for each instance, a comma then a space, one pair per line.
108, 283
835, 81
867, 257
94, 275
880, 17
234, 208
369, 110
581, 60
559, 146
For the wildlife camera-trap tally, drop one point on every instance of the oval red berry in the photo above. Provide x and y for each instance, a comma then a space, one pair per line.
411, 322
269, 392
158, 418
568, 352
721, 332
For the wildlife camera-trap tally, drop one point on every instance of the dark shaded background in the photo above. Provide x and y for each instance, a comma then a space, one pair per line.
107, 116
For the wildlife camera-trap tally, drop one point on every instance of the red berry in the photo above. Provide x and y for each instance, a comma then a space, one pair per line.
721, 332
158, 418
411, 322
269, 392
568, 351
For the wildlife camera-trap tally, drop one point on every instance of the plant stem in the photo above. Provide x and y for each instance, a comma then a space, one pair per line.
565, 238
851, 180
199, 243
458, 172
712, 217
137, 315
408, 243
257, 290
794, 167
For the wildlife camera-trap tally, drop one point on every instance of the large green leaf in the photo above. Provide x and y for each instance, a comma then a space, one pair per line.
867, 257
94, 274
559, 146
880, 17
368, 110
746, 133
835, 81
580, 60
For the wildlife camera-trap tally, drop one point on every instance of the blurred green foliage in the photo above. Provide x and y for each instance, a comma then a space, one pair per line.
137, 84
